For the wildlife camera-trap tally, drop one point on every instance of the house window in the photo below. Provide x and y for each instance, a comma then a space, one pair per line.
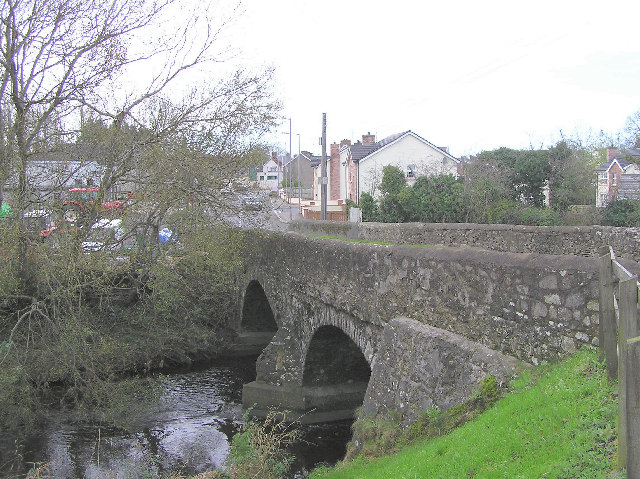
273, 168
604, 199
603, 177
614, 180
411, 171
271, 177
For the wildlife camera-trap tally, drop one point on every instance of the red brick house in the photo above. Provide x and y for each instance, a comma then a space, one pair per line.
618, 178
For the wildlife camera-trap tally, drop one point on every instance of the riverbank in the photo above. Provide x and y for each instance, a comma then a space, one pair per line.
92, 319
557, 421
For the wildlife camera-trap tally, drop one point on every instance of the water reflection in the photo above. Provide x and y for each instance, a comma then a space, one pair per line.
188, 427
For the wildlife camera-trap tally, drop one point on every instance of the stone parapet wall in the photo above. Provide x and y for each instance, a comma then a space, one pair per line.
535, 307
558, 240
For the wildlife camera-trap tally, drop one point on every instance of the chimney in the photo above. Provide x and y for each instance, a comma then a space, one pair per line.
611, 153
368, 139
274, 156
334, 172
335, 151
345, 142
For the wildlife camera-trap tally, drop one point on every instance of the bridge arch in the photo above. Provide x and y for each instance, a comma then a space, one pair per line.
257, 315
333, 358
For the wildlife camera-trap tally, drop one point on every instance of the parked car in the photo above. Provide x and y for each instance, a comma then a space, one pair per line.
252, 202
80, 200
104, 234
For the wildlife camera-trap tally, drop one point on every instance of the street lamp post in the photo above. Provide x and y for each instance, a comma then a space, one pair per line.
290, 160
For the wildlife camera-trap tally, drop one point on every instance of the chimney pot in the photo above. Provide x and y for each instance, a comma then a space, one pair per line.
368, 139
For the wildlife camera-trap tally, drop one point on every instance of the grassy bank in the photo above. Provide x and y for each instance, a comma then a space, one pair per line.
558, 422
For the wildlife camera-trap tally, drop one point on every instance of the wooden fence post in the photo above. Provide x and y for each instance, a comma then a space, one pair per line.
607, 328
628, 309
628, 306
633, 408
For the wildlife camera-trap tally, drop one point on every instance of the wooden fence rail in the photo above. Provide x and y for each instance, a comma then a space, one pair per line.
619, 337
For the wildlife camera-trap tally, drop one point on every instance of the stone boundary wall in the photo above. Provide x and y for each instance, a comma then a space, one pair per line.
559, 240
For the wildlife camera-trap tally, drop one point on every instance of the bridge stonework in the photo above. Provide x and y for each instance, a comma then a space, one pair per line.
487, 309
561, 240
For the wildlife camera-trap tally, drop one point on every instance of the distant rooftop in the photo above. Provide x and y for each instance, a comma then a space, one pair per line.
360, 151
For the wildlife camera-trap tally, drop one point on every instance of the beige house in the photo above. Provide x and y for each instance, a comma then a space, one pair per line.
357, 168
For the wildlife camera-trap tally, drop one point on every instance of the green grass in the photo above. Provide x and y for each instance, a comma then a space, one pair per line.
356, 240
558, 422
352, 240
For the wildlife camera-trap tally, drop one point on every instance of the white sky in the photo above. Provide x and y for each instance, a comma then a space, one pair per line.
468, 74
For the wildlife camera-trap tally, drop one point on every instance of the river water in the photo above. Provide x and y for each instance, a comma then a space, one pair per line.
187, 427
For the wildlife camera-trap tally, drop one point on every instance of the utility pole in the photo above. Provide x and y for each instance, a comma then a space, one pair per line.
323, 179
299, 184
290, 160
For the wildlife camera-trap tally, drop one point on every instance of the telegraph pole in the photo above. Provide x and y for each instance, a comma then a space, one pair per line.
299, 183
323, 178
290, 164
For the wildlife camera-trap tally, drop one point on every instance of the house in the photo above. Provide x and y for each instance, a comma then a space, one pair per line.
271, 175
302, 172
357, 168
619, 177
49, 179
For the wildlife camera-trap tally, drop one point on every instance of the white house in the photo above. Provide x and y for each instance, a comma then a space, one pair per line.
51, 178
271, 175
355, 169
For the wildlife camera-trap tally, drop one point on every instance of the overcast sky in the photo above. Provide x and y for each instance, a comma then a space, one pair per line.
465, 74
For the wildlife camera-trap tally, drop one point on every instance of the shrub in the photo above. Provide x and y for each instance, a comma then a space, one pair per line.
622, 213
258, 449
373, 437
369, 207
538, 217
502, 212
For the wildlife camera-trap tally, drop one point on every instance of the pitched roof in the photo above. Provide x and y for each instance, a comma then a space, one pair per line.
360, 151
607, 165
313, 159
629, 187
633, 152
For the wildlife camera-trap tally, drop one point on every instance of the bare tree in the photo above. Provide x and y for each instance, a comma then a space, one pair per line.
631, 130
62, 61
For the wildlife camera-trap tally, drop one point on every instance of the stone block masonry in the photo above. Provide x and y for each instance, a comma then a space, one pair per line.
560, 240
420, 367
462, 301
532, 306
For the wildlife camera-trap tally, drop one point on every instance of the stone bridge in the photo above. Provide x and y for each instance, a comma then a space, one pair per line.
402, 328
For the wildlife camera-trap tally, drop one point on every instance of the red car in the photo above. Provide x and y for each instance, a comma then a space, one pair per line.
83, 198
